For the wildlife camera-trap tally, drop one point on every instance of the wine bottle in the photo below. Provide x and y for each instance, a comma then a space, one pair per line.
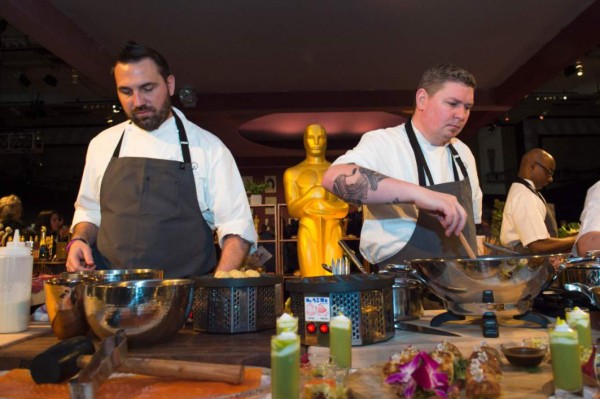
43, 254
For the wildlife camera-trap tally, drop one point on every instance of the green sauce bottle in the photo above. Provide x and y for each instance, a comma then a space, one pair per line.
566, 365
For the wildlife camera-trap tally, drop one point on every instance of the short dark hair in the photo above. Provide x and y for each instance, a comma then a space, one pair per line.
132, 52
434, 78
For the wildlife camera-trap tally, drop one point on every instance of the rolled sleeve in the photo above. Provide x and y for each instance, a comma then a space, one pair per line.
228, 201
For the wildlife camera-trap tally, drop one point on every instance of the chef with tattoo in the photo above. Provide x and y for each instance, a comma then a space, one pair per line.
156, 187
417, 182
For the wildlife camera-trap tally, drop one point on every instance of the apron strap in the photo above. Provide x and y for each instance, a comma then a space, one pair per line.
422, 167
183, 142
533, 190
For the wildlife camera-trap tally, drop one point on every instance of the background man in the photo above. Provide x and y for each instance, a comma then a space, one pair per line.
155, 187
528, 222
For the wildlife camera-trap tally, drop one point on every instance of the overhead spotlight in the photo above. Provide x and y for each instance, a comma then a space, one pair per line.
579, 68
50, 80
24, 80
575, 69
506, 118
188, 97
74, 76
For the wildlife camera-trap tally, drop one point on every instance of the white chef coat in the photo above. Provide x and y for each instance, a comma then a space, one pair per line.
219, 187
387, 228
523, 219
590, 217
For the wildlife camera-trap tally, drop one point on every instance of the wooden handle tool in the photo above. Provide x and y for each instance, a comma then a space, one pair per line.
467, 246
232, 374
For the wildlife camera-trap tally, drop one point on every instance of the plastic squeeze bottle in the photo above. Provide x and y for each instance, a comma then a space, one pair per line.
16, 272
340, 341
579, 320
564, 349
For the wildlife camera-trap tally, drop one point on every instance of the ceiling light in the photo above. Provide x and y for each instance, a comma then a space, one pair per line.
579, 68
188, 97
74, 76
50, 80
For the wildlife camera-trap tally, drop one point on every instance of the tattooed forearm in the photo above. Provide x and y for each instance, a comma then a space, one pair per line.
355, 187
373, 177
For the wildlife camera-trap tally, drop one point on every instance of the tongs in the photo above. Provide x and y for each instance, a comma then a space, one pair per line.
350, 254
338, 266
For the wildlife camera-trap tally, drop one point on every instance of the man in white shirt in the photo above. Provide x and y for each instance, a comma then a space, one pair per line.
589, 234
155, 188
418, 182
528, 222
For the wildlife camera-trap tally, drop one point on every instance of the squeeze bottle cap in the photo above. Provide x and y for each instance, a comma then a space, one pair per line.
15, 247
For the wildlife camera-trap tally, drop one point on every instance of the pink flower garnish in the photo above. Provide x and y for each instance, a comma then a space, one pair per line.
421, 372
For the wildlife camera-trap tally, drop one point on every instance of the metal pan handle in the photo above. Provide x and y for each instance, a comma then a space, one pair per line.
350, 253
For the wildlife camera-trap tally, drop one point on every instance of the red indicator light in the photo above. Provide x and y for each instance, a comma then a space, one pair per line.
324, 328
311, 328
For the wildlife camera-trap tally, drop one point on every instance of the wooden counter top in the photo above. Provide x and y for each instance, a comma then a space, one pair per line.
251, 349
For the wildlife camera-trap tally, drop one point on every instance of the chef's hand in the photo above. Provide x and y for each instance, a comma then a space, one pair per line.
79, 257
446, 209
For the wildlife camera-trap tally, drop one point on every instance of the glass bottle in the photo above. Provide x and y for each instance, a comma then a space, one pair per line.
43, 251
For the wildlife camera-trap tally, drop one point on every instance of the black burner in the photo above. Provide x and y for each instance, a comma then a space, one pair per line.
553, 303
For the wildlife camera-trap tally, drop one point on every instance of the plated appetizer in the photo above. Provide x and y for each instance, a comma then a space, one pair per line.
443, 372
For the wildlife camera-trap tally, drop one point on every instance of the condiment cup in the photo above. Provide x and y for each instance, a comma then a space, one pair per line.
521, 354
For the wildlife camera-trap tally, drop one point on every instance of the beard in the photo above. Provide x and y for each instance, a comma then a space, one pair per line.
155, 119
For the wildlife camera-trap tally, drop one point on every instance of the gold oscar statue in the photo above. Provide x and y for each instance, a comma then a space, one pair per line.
319, 212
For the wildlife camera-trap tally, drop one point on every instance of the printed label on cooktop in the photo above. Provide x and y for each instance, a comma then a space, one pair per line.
317, 308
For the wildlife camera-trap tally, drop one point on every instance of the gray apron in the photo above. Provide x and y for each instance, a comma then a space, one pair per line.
151, 217
429, 240
549, 221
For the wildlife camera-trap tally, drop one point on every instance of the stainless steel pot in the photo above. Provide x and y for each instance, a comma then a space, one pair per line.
584, 271
593, 293
407, 293
503, 285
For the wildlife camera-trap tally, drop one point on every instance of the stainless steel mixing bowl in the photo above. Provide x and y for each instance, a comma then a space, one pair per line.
114, 275
150, 311
504, 285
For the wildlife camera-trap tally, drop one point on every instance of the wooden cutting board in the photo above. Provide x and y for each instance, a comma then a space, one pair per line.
533, 383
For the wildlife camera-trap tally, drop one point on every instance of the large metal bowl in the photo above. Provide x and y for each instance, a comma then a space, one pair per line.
114, 275
150, 311
503, 285
64, 296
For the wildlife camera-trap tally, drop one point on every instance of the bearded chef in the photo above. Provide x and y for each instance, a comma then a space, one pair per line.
156, 187
417, 181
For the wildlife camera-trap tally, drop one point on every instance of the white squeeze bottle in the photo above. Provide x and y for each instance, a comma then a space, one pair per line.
16, 272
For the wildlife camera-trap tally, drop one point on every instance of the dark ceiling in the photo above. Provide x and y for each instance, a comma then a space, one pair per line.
303, 59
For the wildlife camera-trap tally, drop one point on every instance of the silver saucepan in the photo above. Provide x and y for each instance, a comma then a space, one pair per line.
504, 285
584, 270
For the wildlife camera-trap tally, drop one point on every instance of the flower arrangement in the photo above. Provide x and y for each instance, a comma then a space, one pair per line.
422, 378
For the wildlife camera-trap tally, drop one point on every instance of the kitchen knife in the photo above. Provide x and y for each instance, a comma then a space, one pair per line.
400, 325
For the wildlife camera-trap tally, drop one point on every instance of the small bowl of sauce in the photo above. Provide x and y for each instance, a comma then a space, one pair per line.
520, 355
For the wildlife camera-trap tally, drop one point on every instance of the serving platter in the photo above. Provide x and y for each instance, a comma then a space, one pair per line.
534, 383
17, 383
